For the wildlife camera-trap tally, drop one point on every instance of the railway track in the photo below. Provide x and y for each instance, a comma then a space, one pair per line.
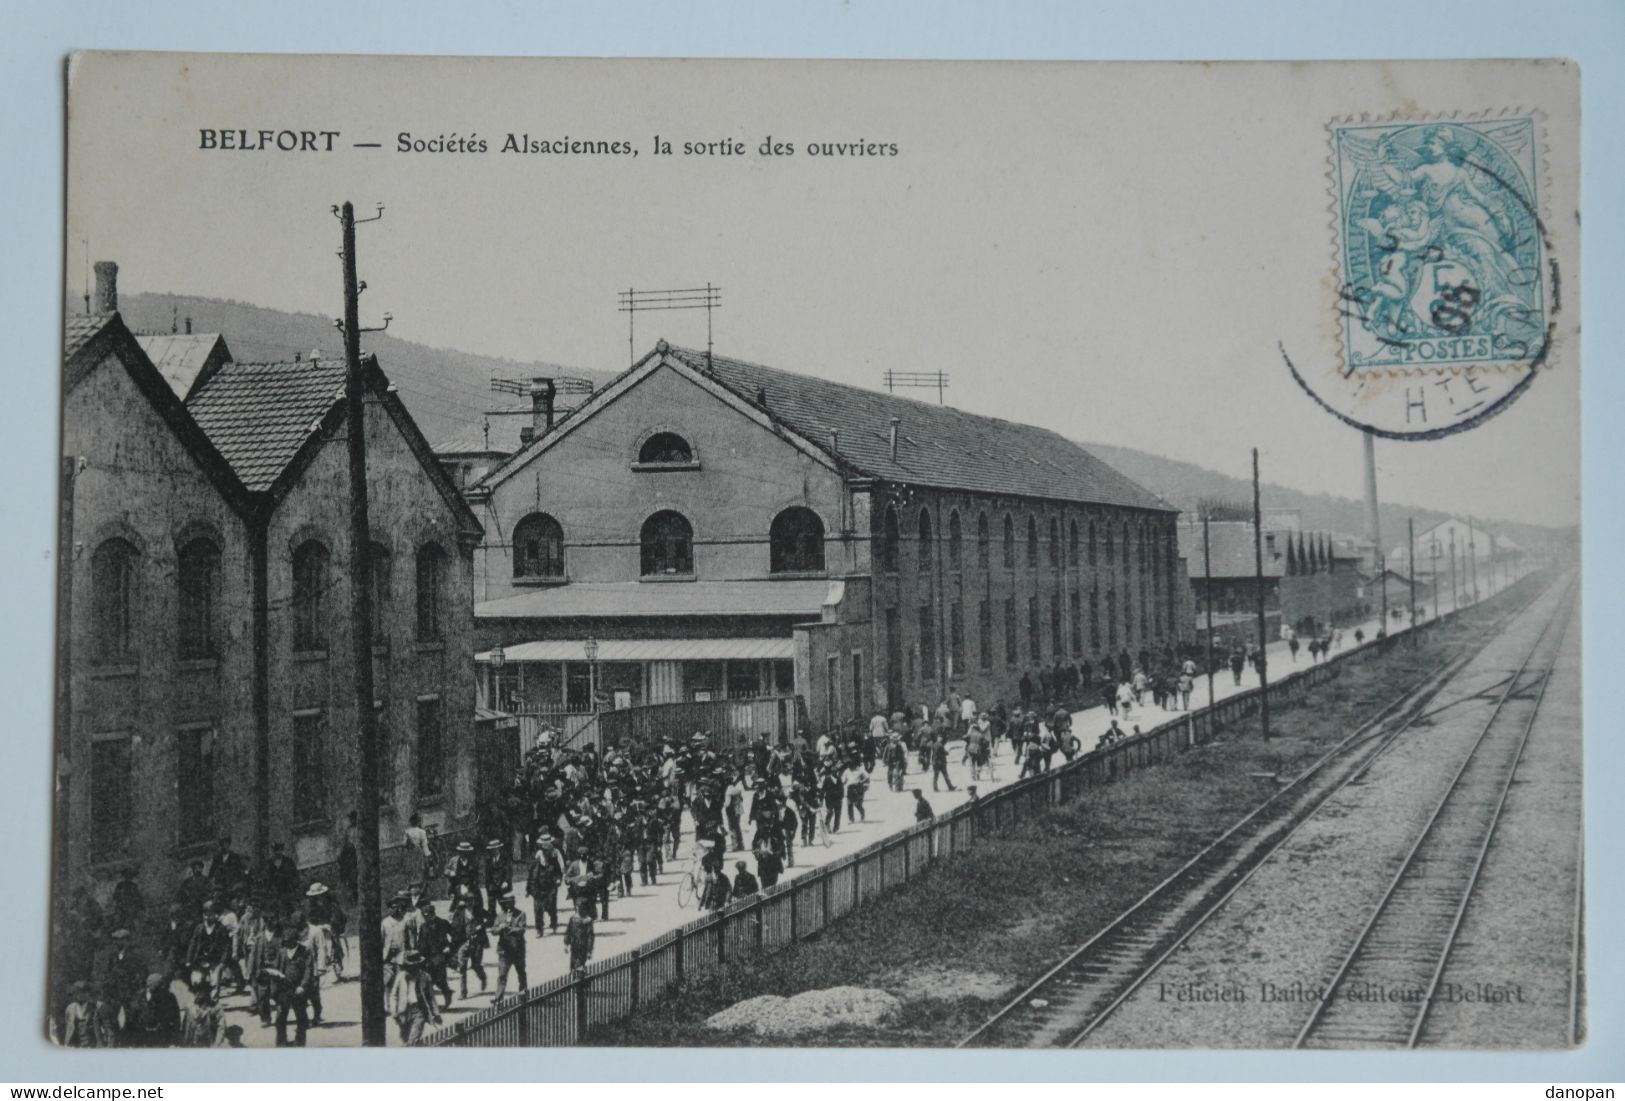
1383, 991
1067, 1003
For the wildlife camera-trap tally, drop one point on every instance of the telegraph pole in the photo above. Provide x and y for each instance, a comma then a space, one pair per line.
1410, 550
1263, 637
1455, 593
373, 1019
1472, 557
1207, 571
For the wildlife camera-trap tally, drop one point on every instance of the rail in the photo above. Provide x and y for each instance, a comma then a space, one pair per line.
561, 1011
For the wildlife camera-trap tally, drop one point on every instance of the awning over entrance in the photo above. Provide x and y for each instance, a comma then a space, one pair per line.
649, 649
630, 599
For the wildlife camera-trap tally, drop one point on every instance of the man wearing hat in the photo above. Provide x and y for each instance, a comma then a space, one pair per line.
155, 1018
281, 877
542, 881
409, 999
194, 890
435, 945
81, 1023
744, 883
210, 946
292, 975
397, 937
468, 933
228, 871
579, 937
498, 873
510, 930
123, 974
465, 872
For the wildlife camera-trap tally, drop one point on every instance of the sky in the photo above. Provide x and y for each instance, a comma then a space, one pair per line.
1116, 252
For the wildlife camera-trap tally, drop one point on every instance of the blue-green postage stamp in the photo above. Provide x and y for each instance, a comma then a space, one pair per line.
1441, 247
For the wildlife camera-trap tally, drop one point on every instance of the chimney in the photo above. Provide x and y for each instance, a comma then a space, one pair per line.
106, 300
761, 396
835, 440
895, 423
526, 434
542, 393
188, 326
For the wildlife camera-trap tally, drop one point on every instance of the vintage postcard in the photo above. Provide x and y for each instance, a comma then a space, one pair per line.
710, 553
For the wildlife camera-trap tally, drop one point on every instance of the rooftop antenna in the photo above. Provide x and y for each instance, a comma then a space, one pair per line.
631, 302
937, 380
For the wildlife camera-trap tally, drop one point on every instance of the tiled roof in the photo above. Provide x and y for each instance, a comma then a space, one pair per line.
1230, 547
180, 357
938, 445
78, 330
662, 598
259, 414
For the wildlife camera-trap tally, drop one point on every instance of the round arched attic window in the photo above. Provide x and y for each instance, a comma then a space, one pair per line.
665, 449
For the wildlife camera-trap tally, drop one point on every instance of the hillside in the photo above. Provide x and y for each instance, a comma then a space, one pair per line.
447, 391
1184, 484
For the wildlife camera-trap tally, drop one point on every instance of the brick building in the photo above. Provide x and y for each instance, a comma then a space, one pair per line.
202, 682
722, 529
1311, 579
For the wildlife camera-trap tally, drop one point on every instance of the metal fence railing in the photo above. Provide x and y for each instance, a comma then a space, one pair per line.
561, 1010
731, 723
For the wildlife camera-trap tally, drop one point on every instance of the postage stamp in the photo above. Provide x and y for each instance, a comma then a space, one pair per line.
1445, 282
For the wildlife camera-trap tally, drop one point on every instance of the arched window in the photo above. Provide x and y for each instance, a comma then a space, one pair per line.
956, 556
928, 539
1128, 553
984, 550
1054, 543
1032, 542
1072, 546
1009, 542
665, 447
538, 547
198, 575
796, 542
891, 537
113, 572
1092, 547
431, 578
311, 578
668, 544
1110, 553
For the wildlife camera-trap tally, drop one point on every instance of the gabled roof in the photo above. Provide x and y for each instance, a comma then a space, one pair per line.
938, 446
79, 329
260, 414
266, 418
184, 358
89, 340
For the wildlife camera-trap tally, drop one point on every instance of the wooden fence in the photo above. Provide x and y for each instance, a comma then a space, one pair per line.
561, 1010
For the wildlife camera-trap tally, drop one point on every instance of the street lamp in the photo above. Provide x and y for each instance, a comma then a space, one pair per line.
591, 647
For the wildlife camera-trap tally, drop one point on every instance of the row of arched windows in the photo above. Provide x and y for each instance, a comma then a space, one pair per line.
115, 568
1153, 548
666, 545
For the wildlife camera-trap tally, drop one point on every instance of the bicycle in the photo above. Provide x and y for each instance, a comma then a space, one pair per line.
691, 888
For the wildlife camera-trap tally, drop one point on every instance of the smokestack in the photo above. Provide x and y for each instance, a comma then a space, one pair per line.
895, 423
106, 300
542, 393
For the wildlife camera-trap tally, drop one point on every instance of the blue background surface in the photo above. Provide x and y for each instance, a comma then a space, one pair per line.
34, 41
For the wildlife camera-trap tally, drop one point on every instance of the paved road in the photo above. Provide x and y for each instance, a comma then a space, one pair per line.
651, 911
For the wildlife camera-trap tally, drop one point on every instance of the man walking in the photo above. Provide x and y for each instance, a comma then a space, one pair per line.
292, 975
510, 931
579, 937
542, 881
